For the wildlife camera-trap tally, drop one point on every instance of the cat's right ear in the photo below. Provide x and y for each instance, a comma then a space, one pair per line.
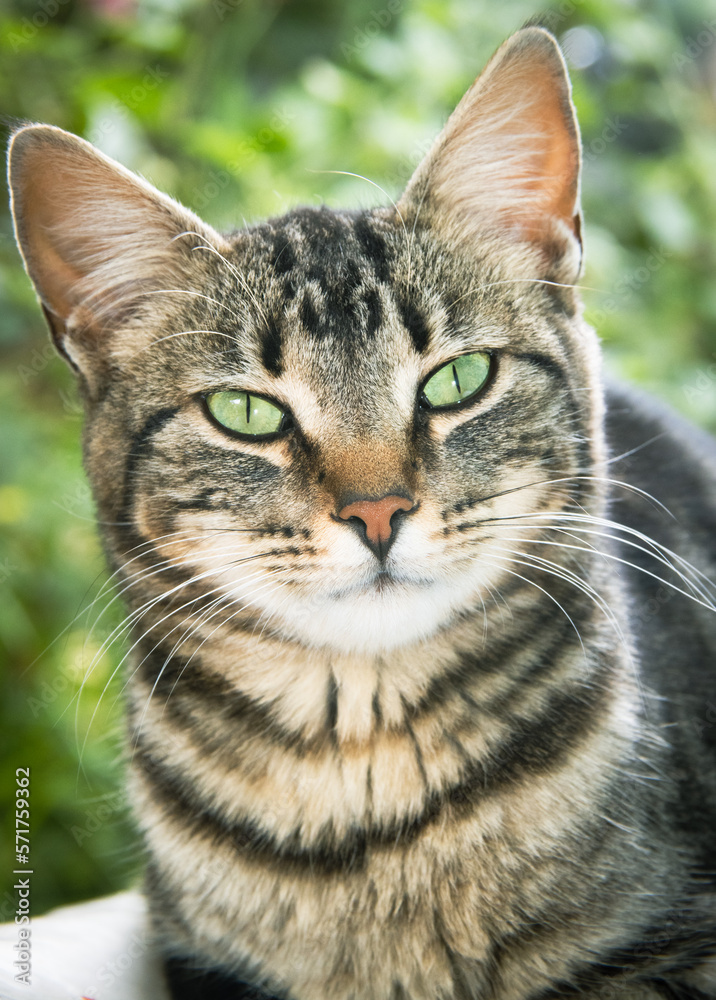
95, 239
508, 161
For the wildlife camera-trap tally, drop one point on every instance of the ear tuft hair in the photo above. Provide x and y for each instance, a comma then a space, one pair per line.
508, 158
94, 236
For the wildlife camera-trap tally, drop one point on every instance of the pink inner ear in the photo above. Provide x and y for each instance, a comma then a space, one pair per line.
551, 170
90, 231
73, 215
42, 224
509, 156
526, 122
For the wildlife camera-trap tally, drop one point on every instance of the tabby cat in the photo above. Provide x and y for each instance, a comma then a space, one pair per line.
407, 720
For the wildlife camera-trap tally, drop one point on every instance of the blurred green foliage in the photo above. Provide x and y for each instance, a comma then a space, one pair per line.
240, 109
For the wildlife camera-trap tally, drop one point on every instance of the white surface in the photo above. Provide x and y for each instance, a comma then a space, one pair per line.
98, 950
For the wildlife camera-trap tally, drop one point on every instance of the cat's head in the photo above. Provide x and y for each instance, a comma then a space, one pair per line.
322, 425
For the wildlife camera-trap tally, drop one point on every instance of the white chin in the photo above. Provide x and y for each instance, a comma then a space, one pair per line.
370, 620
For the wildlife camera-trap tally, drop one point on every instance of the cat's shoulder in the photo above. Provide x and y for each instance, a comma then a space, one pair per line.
650, 443
662, 484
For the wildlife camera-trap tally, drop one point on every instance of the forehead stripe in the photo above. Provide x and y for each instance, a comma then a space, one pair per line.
374, 247
271, 347
415, 322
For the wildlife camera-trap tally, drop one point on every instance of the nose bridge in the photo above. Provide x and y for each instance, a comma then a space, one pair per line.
373, 489
365, 470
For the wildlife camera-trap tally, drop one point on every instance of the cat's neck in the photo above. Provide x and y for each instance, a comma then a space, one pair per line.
566, 641
313, 756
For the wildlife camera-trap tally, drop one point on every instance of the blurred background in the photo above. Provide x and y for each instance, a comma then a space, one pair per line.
236, 107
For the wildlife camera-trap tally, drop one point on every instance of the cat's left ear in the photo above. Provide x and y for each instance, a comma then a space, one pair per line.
508, 159
98, 241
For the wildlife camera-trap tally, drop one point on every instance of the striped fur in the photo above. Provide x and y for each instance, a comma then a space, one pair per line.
475, 770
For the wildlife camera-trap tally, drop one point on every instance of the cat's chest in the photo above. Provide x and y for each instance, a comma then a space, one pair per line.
312, 752
407, 855
322, 927
422, 900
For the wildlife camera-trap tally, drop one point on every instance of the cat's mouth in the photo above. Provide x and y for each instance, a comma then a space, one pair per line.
383, 581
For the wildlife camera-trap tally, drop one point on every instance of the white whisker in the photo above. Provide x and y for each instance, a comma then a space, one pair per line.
654, 549
184, 333
237, 274
360, 177
136, 615
189, 633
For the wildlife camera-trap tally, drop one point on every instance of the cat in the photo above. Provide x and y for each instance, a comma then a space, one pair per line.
401, 723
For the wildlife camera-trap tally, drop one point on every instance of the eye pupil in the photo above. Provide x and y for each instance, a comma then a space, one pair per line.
246, 414
458, 381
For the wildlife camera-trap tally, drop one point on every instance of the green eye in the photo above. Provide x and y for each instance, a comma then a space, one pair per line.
457, 381
245, 413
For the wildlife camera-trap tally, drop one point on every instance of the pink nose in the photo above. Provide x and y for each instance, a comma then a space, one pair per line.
376, 515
